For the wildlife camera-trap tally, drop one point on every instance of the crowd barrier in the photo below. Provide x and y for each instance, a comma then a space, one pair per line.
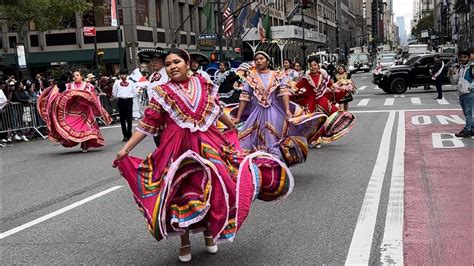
20, 116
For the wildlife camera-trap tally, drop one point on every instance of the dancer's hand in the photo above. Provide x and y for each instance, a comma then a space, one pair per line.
122, 153
236, 120
288, 114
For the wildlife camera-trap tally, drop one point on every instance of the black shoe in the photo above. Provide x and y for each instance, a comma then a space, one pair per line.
124, 139
463, 134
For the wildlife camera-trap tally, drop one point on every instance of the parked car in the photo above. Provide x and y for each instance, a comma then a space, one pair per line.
415, 72
359, 62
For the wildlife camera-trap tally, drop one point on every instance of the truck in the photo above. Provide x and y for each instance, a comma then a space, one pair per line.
417, 49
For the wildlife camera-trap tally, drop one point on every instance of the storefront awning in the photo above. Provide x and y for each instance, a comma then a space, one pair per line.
59, 57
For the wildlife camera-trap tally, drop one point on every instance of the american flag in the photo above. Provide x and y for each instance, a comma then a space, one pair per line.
229, 19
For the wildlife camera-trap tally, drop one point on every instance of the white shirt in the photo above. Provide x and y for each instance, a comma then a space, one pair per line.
123, 89
157, 78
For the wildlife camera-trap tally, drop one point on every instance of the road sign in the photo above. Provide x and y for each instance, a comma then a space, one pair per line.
89, 31
207, 36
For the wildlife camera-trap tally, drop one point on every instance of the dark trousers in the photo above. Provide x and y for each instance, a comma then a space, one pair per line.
125, 107
439, 87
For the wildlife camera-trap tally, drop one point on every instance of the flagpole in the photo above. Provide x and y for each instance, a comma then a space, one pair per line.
219, 29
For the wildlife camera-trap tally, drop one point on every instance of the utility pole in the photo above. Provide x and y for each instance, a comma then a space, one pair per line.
303, 47
119, 35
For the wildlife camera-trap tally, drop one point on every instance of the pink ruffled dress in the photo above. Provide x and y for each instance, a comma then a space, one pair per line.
198, 178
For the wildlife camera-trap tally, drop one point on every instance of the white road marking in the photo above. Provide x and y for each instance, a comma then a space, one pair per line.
442, 101
109, 127
56, 213
391, 249
410, 110
415, 100
362, 88
363, 102
359, 251
389, 101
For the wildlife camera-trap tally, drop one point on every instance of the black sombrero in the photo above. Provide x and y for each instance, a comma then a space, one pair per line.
201, 58
146, 54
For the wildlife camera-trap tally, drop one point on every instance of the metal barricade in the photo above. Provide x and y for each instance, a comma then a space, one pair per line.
110, 105
20, 116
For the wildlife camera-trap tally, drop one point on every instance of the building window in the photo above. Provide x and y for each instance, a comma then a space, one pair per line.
161, 37
141, 7
61, 39
199, 20
158, 13
184, 39
34, 41
193, 40
191, 18
181, 13
12, 41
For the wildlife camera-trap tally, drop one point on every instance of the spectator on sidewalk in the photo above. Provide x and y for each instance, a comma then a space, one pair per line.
21, 98
463, 77
437, 74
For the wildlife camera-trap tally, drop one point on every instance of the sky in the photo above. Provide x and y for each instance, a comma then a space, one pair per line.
404, 8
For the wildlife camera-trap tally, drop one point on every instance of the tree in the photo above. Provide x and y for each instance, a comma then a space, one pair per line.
44, 14
425, 23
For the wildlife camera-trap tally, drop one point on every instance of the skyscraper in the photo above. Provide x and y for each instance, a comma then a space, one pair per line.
401, 30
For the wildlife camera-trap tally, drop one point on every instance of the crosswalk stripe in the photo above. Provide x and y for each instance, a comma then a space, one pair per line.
389, 101
415, 100
442, 101
362, 88
363, 102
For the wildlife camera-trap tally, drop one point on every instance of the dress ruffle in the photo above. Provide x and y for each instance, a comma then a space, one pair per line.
212, 188
70, 117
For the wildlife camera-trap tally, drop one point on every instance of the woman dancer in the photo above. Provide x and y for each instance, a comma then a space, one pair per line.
343, 88
269, 117
197, 178
288, 73
71, 115
314, 92
227, 81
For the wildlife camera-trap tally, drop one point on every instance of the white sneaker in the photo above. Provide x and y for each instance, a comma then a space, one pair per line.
4, 140
3, 145
16, 137
24, 138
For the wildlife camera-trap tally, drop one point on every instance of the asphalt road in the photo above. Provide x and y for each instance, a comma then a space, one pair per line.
316, 224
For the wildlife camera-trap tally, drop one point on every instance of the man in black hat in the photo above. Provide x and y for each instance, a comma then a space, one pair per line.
124, 90
158, 76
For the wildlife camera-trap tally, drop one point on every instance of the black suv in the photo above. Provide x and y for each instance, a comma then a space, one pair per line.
415, 72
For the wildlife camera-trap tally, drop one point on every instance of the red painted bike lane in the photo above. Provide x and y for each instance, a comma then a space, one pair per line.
438, 220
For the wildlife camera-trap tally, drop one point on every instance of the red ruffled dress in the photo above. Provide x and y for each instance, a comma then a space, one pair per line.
197, 178
313, 93
71, 116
